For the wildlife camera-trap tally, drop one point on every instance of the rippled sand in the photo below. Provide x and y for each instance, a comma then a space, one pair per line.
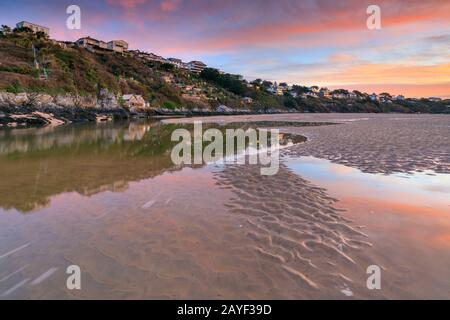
372, 143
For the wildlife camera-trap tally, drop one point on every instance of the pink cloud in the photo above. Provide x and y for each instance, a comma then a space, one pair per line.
126, 4
170, 5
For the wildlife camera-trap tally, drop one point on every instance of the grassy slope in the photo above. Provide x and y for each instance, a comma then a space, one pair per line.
75, 70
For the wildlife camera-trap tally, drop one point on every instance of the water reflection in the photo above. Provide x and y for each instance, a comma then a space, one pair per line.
406, 216
421, 188
88, 158
83, 158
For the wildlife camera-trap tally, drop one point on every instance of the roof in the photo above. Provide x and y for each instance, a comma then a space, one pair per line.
129, 96
35, 24
197, 62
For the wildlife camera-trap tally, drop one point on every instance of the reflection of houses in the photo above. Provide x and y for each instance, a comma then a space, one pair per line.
34, 27
134, 101
136, 132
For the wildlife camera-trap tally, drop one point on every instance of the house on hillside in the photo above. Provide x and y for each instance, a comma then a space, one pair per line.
352, 95
385, 97
276, 89
34, 27
339, 95
95, 45
374, 97
196, 66
324, 93
134, 101
92, 44
247, 100
178, 63
118, 46
311, 94
314, 89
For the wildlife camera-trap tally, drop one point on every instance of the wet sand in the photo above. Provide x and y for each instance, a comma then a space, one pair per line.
226, 232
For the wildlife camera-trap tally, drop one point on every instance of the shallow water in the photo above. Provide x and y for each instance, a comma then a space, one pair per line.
108, 198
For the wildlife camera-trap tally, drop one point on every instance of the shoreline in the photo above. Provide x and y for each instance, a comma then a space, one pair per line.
29, 116
20, 116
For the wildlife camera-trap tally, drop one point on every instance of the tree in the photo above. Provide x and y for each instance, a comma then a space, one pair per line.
299, 89
290, 103
267, 84
167, 66
343, 91
5, 29
22, 29
256, 82
41, 35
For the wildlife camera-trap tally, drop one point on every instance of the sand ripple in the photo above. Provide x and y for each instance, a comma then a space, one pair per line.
295, 227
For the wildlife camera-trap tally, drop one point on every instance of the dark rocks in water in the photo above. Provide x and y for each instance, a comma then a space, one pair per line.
26, 116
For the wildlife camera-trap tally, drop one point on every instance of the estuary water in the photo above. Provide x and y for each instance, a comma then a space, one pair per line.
360, 190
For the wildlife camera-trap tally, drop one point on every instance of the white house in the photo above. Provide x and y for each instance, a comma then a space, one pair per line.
311, 94
339, 95
176, 62
374, 97
352, 95
134, 101
118, 46
324, 93
247, 100
196, 66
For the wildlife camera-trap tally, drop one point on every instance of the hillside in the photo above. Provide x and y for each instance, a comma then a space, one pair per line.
80, 73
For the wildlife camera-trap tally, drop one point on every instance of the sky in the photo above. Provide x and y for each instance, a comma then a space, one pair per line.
311, 42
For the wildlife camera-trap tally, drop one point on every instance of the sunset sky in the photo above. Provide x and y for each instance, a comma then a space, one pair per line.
311, 42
